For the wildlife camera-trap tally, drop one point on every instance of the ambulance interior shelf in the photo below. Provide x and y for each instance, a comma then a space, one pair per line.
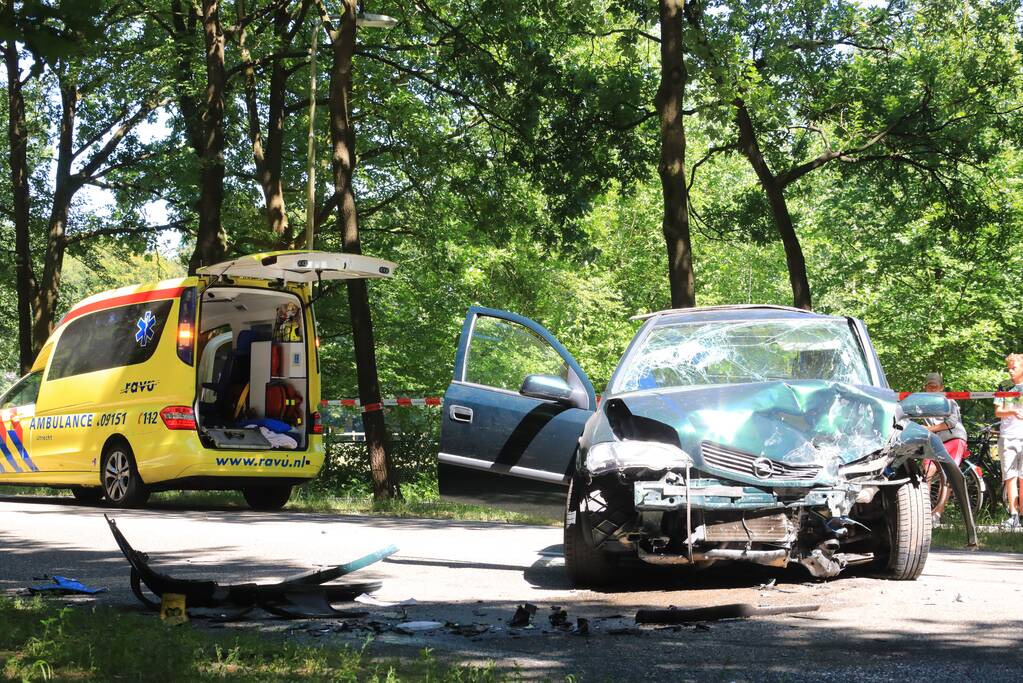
252, 372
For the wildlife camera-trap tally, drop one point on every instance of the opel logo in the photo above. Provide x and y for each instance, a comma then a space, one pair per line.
762, 468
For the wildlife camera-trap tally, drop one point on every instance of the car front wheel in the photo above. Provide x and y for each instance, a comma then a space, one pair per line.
908, 522
587, 566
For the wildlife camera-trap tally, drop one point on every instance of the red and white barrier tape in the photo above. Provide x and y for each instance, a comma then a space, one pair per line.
436, 400
373, 407
966, 395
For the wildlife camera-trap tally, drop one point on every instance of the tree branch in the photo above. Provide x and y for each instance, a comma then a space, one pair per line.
124, 231
90, 169
482, 110
634, 29
794, 173
383, 203
706, 157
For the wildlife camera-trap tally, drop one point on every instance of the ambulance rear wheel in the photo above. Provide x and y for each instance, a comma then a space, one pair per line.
122, 485
267, 497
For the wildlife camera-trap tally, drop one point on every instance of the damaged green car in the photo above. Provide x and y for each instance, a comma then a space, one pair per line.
758, 434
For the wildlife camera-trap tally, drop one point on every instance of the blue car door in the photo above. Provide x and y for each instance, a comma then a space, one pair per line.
499, 446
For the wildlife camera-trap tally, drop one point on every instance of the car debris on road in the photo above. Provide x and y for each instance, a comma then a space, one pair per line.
305, 595
64, 586
673, 615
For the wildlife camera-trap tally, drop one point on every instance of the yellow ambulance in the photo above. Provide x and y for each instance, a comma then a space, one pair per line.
203, 382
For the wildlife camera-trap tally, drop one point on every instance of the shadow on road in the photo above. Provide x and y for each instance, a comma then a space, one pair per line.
866, 629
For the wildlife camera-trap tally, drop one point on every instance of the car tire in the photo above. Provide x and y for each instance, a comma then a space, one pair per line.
908, 522
587, 567
121, 483
267, 498
87, 495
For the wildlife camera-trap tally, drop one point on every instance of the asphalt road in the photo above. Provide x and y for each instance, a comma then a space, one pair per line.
962, 620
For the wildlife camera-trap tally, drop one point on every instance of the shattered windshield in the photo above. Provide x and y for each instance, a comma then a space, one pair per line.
737, 352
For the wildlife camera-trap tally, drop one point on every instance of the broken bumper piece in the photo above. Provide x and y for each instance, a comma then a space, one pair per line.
704, 493
305, 595
672, 493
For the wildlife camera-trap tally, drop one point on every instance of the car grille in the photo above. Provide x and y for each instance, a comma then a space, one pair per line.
749, 465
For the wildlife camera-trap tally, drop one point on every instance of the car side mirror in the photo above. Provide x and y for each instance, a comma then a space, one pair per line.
549, 387
926, 404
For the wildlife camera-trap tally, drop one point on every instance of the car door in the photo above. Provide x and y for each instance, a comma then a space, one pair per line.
17, 408
499, 446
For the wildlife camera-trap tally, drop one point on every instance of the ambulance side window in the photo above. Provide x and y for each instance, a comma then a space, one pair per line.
110, 338
24, 393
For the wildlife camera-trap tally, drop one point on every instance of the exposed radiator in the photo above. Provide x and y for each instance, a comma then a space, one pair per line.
774, 528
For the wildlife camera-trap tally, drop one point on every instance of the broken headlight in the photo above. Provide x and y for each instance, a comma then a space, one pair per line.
611, 456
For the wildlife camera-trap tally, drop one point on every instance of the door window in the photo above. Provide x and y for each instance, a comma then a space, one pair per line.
502, 353
24, 393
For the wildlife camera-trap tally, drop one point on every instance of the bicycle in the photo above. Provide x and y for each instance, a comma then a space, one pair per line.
977, 462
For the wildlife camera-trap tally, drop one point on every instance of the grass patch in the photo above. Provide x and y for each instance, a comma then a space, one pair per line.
309, 499
33, 491
954, 538
313, 499
45, 641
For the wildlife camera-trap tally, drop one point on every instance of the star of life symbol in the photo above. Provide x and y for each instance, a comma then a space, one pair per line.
144, 329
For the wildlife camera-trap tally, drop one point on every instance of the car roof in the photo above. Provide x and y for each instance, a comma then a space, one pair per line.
731, 312
163, 289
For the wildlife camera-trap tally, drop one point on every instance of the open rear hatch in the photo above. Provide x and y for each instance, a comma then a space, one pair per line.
302, 266
253, 369
253, 347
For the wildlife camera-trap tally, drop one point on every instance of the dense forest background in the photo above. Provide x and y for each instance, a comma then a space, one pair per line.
509, 154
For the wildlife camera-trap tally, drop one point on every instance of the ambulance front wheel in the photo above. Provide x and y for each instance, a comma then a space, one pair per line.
122, 485
267, 498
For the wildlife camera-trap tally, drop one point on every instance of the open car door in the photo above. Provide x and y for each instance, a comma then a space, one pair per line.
513, 415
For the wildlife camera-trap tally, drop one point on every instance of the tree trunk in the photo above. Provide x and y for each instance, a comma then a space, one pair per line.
268, 159
342, 135
17, 133
64, 188
775, 192
211, 242
184, 23
671, 168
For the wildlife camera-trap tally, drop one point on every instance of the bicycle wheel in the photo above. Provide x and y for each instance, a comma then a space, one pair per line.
974, 486
935, 484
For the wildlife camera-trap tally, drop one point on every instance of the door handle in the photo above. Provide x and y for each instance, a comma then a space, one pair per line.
461, 414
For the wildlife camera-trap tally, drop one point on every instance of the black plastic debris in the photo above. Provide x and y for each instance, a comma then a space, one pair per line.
523, 616
62, 585
740, 610
305, 595
559, 618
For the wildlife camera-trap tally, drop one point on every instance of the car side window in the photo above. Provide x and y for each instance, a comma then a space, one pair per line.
24, 393
111, 338
502, 353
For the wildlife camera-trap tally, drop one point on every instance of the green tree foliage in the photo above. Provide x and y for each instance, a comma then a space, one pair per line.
915, 93
507, 157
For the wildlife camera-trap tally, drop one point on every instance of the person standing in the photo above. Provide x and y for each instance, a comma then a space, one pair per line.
952, 434
1010, 440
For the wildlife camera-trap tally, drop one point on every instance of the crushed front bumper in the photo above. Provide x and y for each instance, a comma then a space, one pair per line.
672, 492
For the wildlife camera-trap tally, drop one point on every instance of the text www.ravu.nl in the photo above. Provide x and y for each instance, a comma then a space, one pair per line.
263, 462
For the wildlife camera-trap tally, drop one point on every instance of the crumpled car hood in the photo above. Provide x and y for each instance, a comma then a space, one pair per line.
809, 422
